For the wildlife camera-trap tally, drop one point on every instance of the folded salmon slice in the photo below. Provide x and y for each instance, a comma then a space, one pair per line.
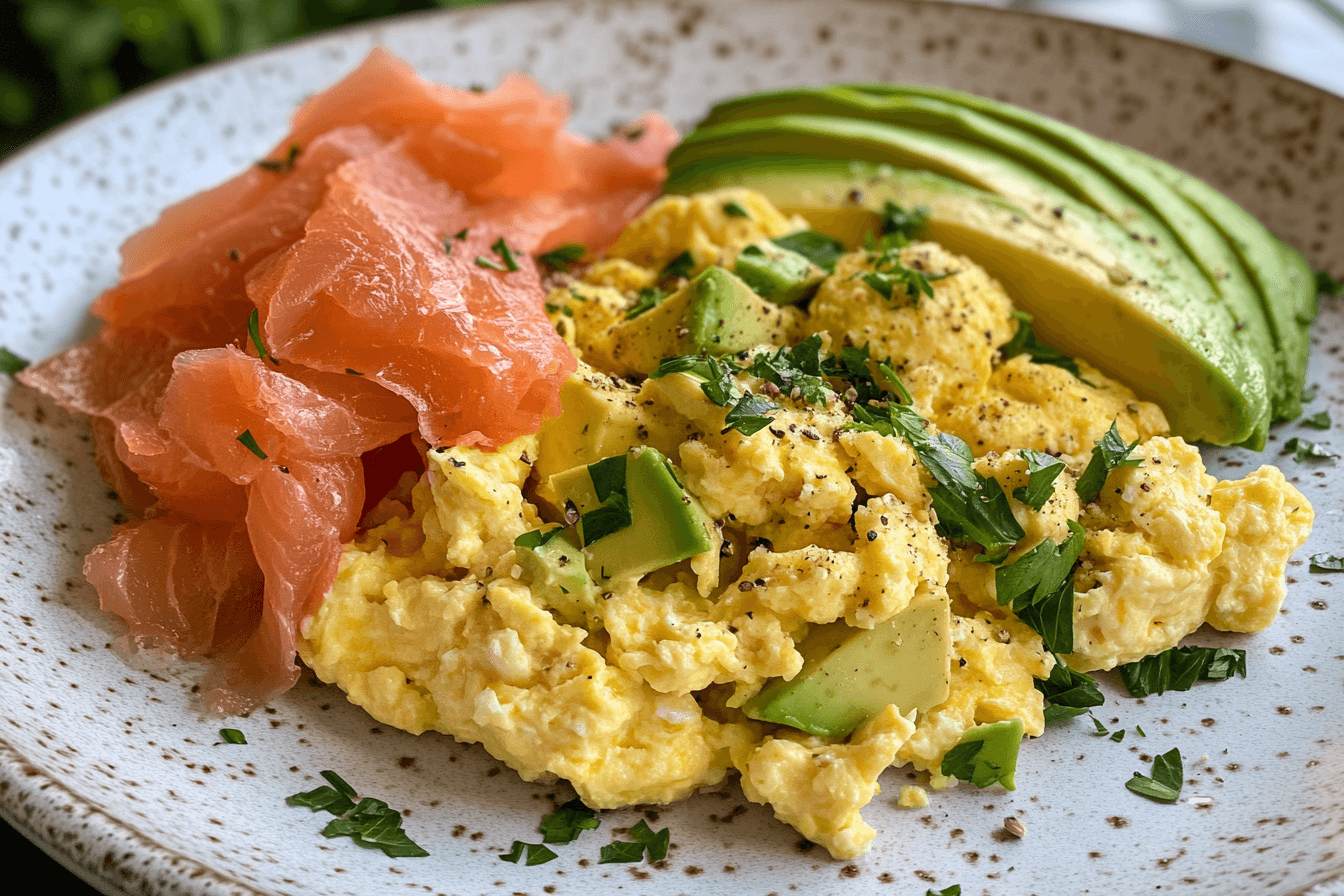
379, 330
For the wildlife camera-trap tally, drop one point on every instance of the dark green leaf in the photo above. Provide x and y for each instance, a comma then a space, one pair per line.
1327, 285
11, 363
621, 851
681, 266
749, 415
1309, 393
1042, 590
1303, 450
563, 257
647, 300
339, 783
502, 249
1326, 563
1024, 342
1102, 730
323, 799
797, 368
822, 250
608, 476
1165, 783
959, 762
611, 517
1139, 731
954, 890
250, 443
1068, 693
537, 537
232, 736
1043, 470
1179, 668
656, 843
254, 333
904, 224
536, 853
566, 823
281, 165
1118, 736
1319, 420
1055, 713
1108, 454
483, 262
734, 210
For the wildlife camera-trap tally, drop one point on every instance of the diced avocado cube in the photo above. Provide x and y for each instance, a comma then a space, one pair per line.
557, 569
635, 516
778, 274
851, 674
714, 313
985, 755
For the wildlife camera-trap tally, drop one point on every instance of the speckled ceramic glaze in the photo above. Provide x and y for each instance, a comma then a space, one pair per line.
111, 764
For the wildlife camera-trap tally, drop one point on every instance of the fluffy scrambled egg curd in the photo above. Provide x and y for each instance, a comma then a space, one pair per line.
748, 557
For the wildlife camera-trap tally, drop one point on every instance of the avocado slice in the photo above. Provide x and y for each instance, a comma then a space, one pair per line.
851, 674
714, 313
554, 564
1181, 205
1140, 331
1164, 221
634, 515
986, 754
777, 274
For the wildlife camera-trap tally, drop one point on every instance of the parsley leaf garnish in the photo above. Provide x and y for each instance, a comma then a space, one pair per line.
250, 443
798, 368
1309, 393
621, 851
254, 333
1179, 668
11, 363
232, 736
749, 415
746, 414
1319, 420
281, 166
822, 250
681, 266
1043, 470
1108, 454
970, 507
1039, 585
735, 210
1024, 342
370, 823
536, 853
563, 257
566, 823
899, 224
647, 300
1326, 563
1304, 450
1068, 693
644, 840
483, 262
1327, 285
954, 890
1165, 783
888, 274
608, 477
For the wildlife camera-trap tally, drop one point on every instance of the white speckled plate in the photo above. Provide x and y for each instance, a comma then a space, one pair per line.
112, 765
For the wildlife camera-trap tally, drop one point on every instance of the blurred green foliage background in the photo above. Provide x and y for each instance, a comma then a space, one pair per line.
63, 57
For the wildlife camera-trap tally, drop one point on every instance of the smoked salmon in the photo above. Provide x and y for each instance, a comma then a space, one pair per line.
367, 287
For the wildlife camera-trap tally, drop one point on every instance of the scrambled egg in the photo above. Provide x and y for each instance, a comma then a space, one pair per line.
639, 698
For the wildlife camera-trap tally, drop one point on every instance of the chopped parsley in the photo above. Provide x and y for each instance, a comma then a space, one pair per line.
608, 477
566, 823
1319, 420
254, 333
503, 250
679, 267
1108, 454
1165, 783
954, 890
1068, 693
1304, 450
899, 225
889, 274
562, 258
970, 507
1179, 668
1043, 469
1326, 563
530, 853
735, 210
1024, 342
250, 443
370, 822
644, 840
822, 250
283, 165
799, 368
746, 412
1327, 285
647, 300
1309, 393
450, 241
232, 736
483, 262
1039, 585
11, 363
